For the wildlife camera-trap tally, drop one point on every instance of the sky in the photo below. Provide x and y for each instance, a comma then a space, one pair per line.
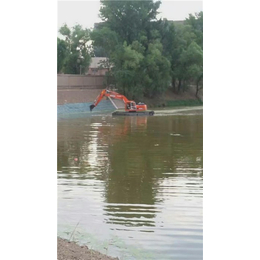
86, 13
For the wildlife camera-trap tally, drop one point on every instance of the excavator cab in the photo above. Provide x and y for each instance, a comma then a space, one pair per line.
130, 106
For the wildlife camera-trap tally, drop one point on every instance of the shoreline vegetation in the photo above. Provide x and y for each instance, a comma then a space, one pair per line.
171, 99
68, 250
174, 103
138, 53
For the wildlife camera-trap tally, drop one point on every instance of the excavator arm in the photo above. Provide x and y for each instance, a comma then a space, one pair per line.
98, 99
130, 106
107, 93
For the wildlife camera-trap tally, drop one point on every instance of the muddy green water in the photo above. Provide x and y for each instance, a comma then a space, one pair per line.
135, 189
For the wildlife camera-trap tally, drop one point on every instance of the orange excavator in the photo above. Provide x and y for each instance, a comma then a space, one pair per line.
130, 106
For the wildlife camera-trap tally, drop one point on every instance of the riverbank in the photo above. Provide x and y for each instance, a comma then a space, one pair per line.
81, 95
171, 99
67, 250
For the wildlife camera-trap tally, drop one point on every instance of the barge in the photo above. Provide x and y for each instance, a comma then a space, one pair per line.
137, 113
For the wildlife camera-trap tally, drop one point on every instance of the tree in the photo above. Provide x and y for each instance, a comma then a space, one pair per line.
106, 39
78, 58
194, 57
62, 52
99, 51
129, 36
170, 42
127, 60
157, 67
129, 19
178, 41
196, 23
149, 55
190, 65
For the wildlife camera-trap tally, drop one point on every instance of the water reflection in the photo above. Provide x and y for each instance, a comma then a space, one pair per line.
144, 174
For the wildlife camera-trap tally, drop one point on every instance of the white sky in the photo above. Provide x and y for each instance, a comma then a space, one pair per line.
86, 13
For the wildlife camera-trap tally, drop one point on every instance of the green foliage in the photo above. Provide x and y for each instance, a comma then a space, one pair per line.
196, 23
65, 31
183, 47
99, 51
157, 78
178, 103
106, 39
192, 61
71, 65
62, 52
127, 61
145, 55
77, 57
130, 37
129, 19
141, 72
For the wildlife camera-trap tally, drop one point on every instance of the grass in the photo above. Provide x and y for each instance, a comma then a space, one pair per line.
93, 243
72, 234
188, 102
176, 103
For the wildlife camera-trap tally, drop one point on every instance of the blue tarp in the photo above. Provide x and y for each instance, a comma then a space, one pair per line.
104, 105
82, 109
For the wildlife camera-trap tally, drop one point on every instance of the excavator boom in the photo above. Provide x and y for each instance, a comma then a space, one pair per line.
130, 106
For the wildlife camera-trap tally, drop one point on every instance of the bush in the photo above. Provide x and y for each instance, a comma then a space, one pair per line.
189, 102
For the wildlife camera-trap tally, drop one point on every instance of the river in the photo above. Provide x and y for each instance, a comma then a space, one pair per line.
132, 187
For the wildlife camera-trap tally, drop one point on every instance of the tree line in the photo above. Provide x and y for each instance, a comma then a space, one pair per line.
146, 55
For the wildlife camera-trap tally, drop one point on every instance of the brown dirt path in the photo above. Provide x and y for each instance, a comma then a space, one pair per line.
71, 251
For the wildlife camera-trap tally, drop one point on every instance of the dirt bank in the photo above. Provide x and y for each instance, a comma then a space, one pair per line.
71, 251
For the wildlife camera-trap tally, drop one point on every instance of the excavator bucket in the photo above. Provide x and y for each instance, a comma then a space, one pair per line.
91, 107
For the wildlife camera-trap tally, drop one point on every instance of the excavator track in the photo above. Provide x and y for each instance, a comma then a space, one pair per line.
139, 113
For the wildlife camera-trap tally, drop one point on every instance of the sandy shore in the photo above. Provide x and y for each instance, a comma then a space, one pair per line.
71, 251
